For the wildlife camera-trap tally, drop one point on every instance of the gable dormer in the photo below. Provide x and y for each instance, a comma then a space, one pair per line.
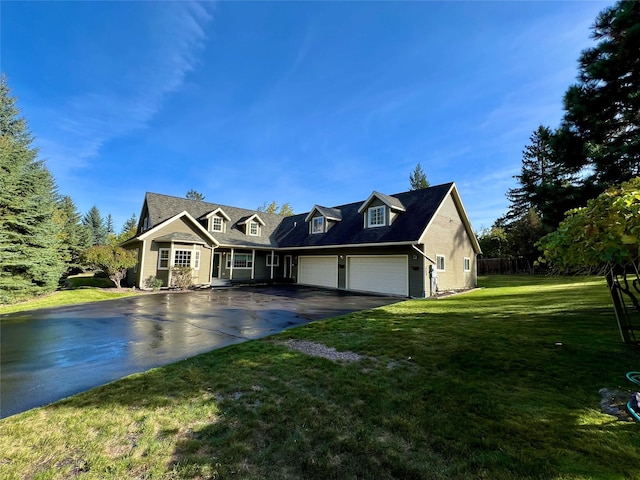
252, 225
217, 220
321, 219
380, 210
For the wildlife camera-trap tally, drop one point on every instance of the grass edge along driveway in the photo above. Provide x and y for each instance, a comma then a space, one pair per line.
470, 386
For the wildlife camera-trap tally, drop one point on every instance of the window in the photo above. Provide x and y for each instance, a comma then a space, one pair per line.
254, 229
376, 216
182, 258
317, 225
163, 259
217, 224
196, 259
276, 260
440, 262
240, 260
467, 264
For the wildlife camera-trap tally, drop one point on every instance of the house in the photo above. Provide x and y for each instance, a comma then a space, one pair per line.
390, 244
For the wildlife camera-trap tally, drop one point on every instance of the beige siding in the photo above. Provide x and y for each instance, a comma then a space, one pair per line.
150, 267
448, 236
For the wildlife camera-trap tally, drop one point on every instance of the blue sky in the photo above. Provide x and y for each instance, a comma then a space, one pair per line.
300, 102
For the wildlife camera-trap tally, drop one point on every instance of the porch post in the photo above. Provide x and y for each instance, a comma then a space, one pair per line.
271, 264
253, 263
231, 266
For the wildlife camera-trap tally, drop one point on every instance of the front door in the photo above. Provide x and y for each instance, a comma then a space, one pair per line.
217, 257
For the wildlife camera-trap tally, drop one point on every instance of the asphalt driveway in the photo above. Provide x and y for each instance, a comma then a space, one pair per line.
50, 354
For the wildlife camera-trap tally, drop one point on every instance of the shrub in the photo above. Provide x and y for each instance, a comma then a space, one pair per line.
182, 277
153, 283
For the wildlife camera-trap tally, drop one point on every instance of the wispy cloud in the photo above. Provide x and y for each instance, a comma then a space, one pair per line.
129, 97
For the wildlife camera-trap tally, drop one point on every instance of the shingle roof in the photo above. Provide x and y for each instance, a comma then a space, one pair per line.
162, 207
289, 232
408, 226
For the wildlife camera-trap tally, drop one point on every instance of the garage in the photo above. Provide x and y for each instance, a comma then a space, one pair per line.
378, 273
320, 271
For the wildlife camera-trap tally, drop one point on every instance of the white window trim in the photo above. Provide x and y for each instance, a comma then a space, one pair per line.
213, 225
175, 253
315, 224
444, 263
250, 227
195, 260
467, 264
249, 261
160, 251
276, 260
370, 210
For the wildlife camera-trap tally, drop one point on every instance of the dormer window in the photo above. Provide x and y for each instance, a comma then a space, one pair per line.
376, 216
217, 224
317, 225
217, 220
254, 229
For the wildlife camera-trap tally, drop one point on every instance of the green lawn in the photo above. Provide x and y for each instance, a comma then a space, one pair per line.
77, 289
469, 386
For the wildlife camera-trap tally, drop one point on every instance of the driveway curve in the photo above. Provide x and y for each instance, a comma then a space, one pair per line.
50, 354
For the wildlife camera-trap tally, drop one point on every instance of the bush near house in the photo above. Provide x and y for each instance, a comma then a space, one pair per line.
182, 277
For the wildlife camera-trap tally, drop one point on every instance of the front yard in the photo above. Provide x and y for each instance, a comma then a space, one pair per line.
469, 386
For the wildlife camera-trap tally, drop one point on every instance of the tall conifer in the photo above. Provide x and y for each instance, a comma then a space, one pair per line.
30, 262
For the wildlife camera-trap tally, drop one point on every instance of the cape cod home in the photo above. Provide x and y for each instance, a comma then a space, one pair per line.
398, 244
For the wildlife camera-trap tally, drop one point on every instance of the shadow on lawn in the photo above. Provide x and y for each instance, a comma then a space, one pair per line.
469, 386
456, 390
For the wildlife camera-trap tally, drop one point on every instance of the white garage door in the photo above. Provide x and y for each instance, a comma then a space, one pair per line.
320, 271
380, 273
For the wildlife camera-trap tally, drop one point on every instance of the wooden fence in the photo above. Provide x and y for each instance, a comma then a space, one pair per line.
509, 266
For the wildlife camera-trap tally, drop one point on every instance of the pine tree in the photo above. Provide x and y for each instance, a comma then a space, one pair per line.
96, 226
194, 195
30, 262
602, 108
130, 227
110, 228
418, 179
74, 237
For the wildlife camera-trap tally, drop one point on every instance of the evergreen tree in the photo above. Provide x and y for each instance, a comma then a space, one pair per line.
30, 262
110, 228
129, 228
602, 108
74, 237
194, 195
418, 179
96, 226
546, 186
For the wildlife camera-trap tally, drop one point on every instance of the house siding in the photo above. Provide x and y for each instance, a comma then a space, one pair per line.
149, 268
448, 236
